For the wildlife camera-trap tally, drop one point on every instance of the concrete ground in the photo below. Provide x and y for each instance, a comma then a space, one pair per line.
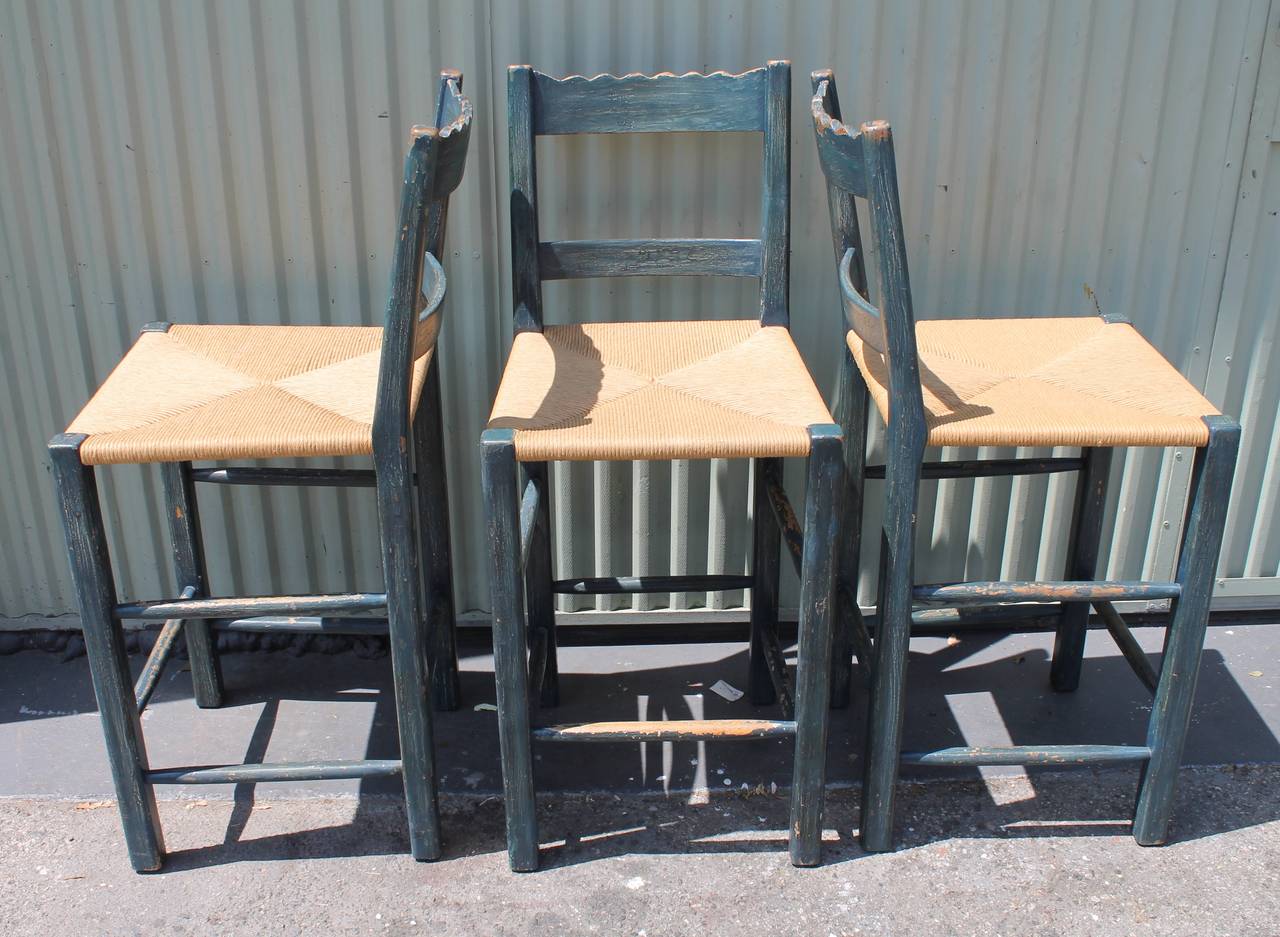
658, 839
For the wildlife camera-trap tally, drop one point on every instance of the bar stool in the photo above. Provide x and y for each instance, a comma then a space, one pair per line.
657, 390
1088, 382
187, 393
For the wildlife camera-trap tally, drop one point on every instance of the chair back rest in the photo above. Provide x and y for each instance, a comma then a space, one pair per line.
860, 164
754, 101
432, 170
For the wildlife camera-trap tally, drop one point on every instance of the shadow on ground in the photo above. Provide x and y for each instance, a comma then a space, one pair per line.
699, 797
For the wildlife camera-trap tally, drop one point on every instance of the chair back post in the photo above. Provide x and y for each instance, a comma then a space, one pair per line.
757, 101
526, 282
906, 403
432, 170
775, 211
861, 163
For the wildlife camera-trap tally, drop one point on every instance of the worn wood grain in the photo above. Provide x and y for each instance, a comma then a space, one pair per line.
758, 100
160, 609
1211, 476
785, 516
432, 169
301, 624
851, 412
291, 771
850, 632
529, 499
539, 592
1082, 562
839, 145
454, 117
526, 285
416, 570
153, 668
673, 730
775, 663
86, 540
661, 103
850, 620
1050, 755
730, 257
410, 666
502, 526
1128, 644
861, 162
192, 575
985, 593
823, 512
766, 555
286, 477
775, 205
904, 453
435, 541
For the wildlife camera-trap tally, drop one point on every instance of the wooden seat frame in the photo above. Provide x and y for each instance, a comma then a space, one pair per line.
518, 516
408, 470
860, 163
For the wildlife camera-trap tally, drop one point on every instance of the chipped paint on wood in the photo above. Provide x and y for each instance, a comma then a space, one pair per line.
251, 606
1030, 755
979, 593
666, 731
291, 771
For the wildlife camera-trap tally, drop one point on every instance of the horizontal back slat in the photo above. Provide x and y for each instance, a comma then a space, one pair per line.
569, 260
650, 103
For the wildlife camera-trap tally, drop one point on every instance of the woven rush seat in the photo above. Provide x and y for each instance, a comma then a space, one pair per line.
657, 390
199, 392
1043, 382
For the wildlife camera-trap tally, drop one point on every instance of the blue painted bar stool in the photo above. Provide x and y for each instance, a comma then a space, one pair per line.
187, 393
1088, 382
658, 391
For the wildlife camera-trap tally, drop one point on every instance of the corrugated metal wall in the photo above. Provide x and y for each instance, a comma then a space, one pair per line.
237, 162
1244, 370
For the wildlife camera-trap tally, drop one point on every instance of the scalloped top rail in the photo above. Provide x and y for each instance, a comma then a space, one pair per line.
651, 103
454, 116
839, 145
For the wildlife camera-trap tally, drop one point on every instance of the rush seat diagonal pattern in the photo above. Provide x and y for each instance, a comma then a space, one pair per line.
1043, 382
657, 390
198, 392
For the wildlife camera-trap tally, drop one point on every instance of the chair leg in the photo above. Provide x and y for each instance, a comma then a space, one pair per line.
765, 551
104, 644
851, 406
410, 669
1082, 564
824, 496
190, 570
1197, 561
435, 544
893, 639
541, 602
510, 652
